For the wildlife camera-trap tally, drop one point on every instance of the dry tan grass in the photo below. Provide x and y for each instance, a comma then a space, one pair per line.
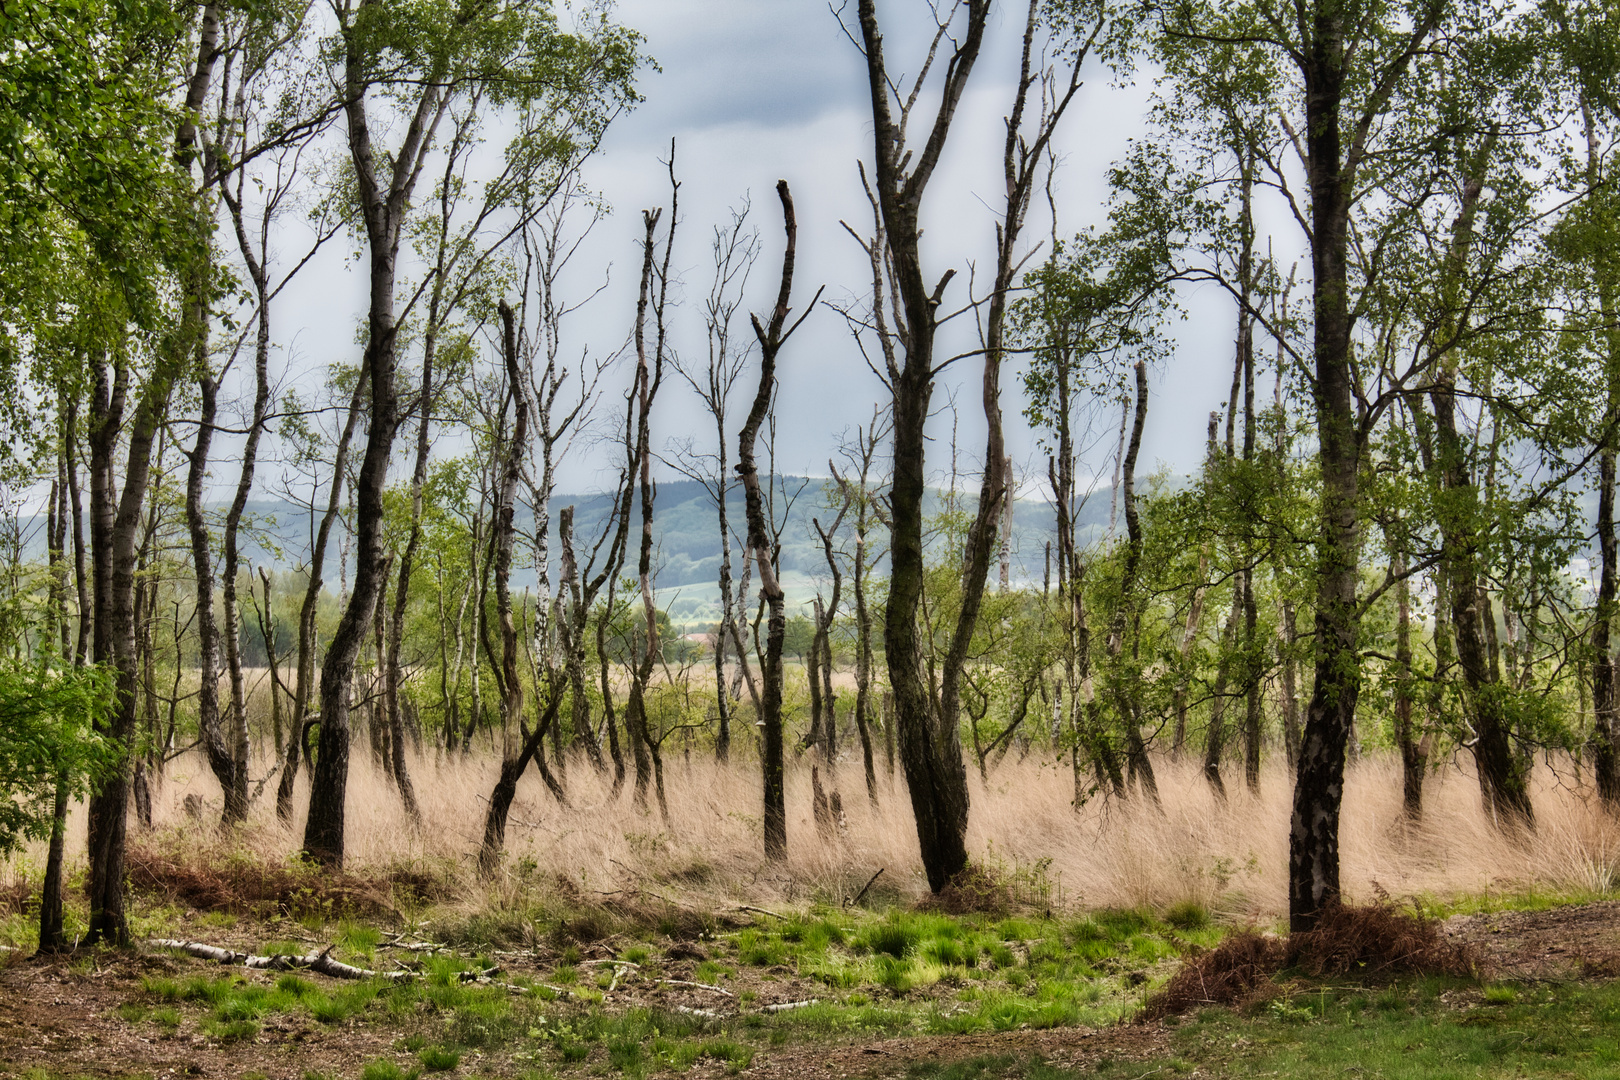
1230, 858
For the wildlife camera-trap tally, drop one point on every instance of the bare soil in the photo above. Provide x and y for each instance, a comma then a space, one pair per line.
1576, 941
61, 1015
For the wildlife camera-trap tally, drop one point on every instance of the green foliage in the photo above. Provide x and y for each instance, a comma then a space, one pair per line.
48, 714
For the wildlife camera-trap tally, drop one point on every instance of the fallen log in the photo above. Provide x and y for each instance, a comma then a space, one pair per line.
785, 1005
321, 963
696, 985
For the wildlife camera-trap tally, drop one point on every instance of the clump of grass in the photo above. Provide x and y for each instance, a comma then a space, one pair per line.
736, 1056
358, 938
896, 936
1187, 915
231, 1031
295, 985
383, 1069
340, 1005
483, 1020
439, 1059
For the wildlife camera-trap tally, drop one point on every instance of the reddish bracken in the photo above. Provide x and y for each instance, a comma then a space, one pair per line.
1227, 975
1376, 939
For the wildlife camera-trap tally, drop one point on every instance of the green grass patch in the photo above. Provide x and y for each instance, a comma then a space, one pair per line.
383, 1069
438, 1059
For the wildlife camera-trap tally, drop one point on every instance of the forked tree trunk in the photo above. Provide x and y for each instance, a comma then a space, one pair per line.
648, 378
930, 745
1502, 776
760, 546
115, 521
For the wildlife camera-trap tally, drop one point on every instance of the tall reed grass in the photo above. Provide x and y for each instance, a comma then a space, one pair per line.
1229, 857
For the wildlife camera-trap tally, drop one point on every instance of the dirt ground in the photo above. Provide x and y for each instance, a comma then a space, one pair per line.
61, 1016
1577, 941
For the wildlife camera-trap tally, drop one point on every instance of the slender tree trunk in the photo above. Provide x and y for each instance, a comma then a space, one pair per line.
761, 549
816, 737
115, 521
384, 211
231, 563
52, 935
722, 690
75, 503
1313, 844
500, 799
1605, 693
304, 685
609, 720
648, 378
1414, 752
221, 760
1503, 783
1126, 616
1604, 705
863, 649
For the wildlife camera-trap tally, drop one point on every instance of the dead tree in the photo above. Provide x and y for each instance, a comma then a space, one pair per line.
735, 249
868, 515
649, 377
762, 545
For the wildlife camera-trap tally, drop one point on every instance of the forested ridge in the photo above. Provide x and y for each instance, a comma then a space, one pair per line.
1399, 546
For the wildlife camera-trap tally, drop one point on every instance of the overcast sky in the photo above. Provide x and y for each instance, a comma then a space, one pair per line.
756, 90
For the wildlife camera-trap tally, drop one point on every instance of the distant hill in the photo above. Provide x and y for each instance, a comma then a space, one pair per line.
687, 539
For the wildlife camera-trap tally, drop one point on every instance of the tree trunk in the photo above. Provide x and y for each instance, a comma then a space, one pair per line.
52, 936
232, 561
1126, 616
1414, 752
221, 760
648, 378
304, 684
929, 743
500, 799
384, 211
761, 549
115, 521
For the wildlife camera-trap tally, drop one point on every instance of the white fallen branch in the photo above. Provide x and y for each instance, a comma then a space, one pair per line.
786, 1005
707, 1014
696, 985
321, 963
413, 946
558, 990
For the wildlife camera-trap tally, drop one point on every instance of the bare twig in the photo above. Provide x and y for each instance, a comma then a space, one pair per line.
862, 893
